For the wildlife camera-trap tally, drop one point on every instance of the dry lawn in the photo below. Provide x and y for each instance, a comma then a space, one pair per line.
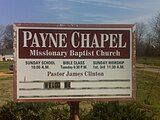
5, 87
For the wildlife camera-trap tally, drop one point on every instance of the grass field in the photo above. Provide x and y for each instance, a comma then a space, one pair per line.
148, 90
148, 87
5, 90
4, 66
6, 79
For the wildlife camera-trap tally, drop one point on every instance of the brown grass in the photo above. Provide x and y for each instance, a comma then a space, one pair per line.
5, 89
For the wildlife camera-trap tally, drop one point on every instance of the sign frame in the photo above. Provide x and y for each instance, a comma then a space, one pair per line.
112, 26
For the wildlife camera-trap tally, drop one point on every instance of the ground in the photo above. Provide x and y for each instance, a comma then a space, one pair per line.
5, 87
149, 68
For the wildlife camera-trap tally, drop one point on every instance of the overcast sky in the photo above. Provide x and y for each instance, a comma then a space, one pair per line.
78, 11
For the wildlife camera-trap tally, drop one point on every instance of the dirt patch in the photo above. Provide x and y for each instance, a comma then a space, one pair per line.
5, 74
149, 68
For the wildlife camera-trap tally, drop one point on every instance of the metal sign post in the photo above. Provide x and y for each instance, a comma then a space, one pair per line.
74, 110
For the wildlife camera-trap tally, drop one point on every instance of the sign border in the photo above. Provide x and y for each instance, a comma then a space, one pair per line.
50, 25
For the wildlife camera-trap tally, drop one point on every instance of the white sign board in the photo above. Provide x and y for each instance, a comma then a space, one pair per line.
73, 62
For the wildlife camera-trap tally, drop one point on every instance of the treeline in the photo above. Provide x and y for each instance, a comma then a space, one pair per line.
148, 38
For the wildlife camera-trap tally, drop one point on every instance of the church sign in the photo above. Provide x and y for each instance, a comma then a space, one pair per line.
74, 62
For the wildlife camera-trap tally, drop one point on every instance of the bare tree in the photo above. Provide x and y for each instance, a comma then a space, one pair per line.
149, 50
140, 37
155, 25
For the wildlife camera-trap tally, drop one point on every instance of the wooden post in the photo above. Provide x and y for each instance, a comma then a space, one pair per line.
74, 110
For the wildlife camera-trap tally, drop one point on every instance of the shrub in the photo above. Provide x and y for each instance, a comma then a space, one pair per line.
32, 111
57, 111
